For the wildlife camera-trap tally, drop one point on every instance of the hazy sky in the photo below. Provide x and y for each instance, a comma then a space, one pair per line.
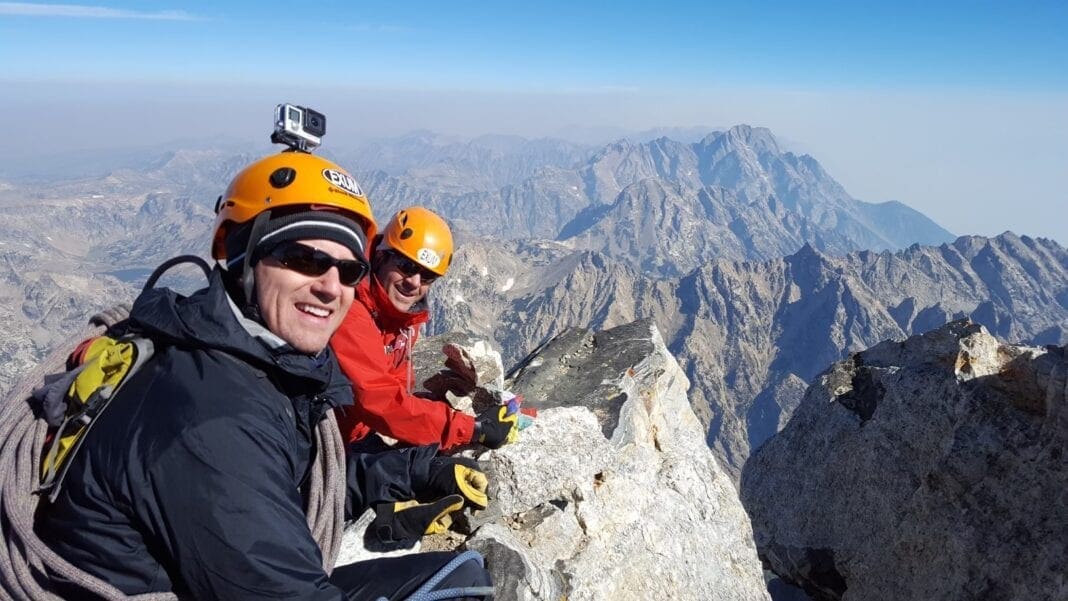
959, 109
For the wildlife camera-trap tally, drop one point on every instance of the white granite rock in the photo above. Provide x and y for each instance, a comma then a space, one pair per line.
612, 492
926, 469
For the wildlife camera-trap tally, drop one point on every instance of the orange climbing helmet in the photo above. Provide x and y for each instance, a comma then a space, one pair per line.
422, 236
285, 183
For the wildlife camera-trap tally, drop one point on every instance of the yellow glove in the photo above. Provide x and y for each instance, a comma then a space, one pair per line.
457, 475
405, 522
495, 427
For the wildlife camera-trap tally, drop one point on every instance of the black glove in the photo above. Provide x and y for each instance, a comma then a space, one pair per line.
405, 522
495, 429
458, 476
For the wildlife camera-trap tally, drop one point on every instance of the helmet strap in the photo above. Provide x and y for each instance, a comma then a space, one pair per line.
248, 279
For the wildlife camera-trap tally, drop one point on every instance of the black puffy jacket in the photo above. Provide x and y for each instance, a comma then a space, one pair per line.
190, 480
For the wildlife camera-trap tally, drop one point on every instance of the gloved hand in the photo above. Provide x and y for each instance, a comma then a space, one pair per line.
458, 475
495, 427
405, 522
513, 402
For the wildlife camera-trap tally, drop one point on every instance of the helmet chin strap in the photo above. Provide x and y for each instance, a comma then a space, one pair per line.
248, 278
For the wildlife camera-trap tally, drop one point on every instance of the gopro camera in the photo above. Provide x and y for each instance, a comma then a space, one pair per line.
298, 127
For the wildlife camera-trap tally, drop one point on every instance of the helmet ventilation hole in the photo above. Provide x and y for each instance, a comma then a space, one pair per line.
283, 176
407, 233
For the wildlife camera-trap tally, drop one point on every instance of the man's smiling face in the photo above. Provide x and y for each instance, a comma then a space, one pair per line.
303, 310
403, 290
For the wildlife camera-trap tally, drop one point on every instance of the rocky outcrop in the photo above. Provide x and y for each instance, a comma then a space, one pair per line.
926, 469
611, 493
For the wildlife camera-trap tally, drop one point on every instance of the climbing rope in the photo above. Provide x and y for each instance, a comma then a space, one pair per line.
28, 566
425, 592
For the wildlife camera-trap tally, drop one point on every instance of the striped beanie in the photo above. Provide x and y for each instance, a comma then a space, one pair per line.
304, 225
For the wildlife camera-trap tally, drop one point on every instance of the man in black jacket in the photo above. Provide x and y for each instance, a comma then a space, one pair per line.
191, 480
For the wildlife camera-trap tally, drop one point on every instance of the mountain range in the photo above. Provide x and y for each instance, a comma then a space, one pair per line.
757, 267
668, 206
750, 335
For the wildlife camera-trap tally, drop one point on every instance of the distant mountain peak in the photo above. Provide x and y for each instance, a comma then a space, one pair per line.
760, 139
620, 145
806, 255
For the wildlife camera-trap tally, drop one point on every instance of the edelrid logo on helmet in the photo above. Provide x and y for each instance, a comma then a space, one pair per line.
428, 257
343, 180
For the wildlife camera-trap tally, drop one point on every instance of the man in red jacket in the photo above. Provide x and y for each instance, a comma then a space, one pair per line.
374, 343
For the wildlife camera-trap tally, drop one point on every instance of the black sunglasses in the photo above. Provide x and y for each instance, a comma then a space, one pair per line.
314, 262
409, 268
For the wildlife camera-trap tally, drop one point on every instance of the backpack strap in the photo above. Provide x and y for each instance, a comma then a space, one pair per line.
150, 283
109, 365
97, 370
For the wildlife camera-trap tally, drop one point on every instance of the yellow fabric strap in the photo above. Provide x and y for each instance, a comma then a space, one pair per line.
107, 363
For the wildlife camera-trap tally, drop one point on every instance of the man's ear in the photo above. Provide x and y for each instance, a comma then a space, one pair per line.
236, 286
248, 286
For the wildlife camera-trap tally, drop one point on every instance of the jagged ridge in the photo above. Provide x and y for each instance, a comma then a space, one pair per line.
750, 335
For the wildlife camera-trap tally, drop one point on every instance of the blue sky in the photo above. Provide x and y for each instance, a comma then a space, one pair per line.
947, 106
546, 45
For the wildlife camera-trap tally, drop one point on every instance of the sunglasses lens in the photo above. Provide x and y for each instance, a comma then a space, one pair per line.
313, 262
351, 272
409, 268
302, 259
406, 266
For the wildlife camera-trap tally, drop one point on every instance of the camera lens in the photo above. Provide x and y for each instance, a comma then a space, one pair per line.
314, 122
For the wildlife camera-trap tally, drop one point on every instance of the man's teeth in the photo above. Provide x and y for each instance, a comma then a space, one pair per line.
316, 311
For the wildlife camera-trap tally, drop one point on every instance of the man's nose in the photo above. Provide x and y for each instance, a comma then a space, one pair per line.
328, 284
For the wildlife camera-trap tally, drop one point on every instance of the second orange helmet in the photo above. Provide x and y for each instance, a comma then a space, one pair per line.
422, 236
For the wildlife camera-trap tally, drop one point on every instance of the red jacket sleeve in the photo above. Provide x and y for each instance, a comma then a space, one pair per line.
382, 401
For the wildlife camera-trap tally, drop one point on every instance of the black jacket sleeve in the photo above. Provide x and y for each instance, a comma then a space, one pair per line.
223, 495
386, 476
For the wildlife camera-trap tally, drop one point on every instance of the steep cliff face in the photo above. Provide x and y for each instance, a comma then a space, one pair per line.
611, 493
926, 469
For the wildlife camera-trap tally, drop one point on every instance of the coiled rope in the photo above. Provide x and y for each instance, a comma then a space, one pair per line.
426, 592
28, 567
